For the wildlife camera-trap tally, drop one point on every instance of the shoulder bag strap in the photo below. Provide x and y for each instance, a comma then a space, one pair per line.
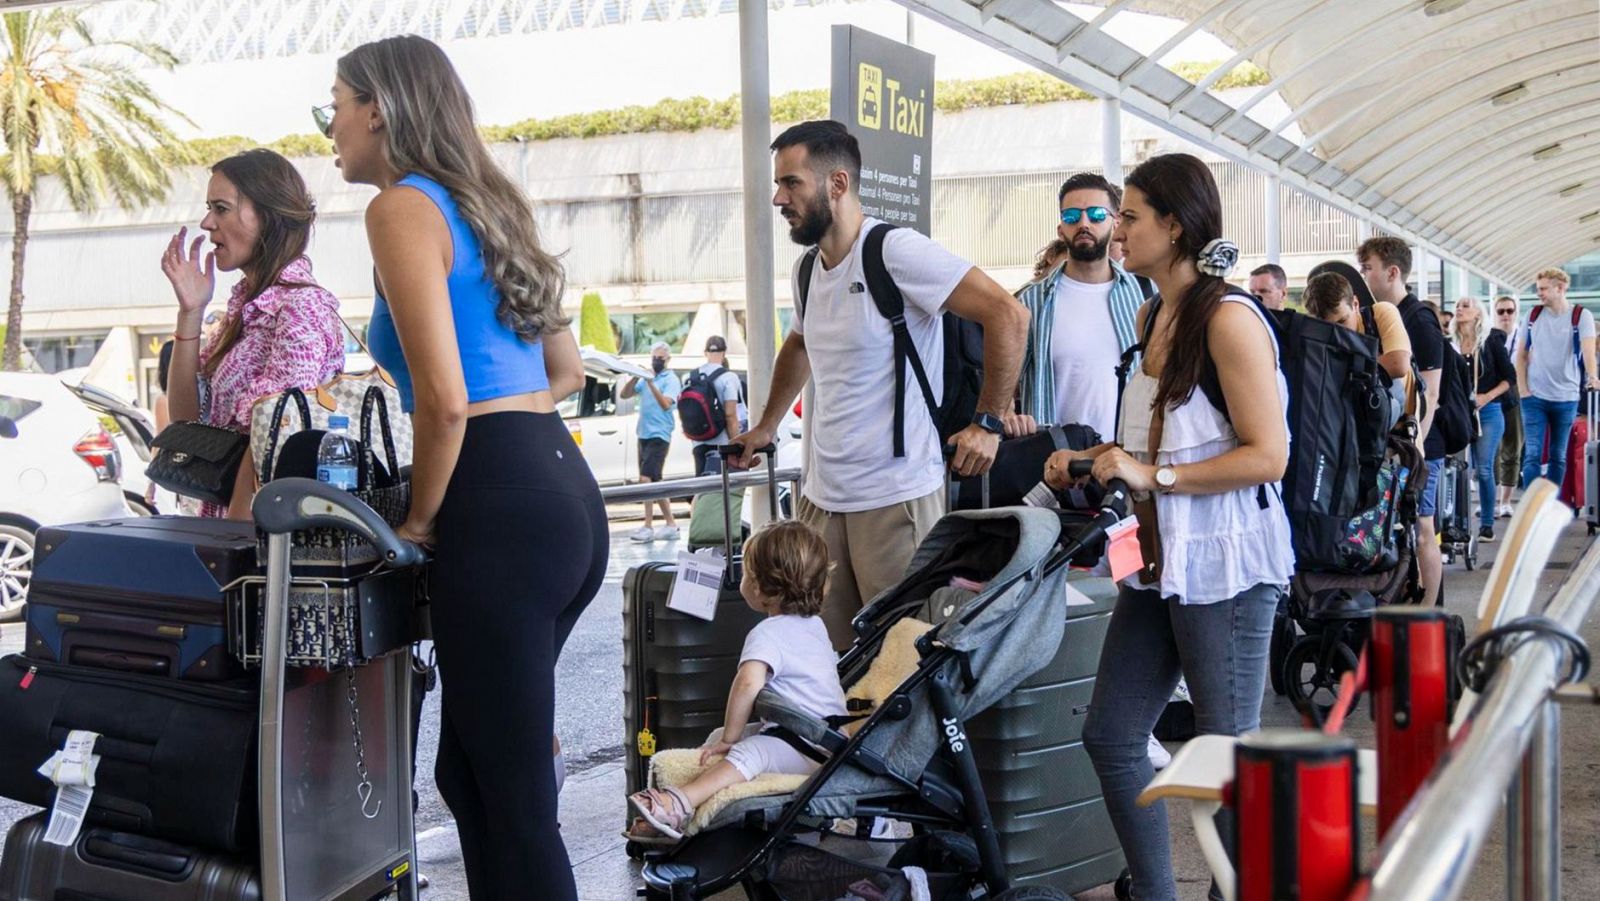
808, 263
891, 305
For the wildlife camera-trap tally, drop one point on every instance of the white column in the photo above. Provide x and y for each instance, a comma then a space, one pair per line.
1111, 139
1419, 270
1274, 220
755, 110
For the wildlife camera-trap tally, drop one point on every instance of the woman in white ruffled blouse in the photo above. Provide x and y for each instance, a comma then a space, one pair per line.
1209, 474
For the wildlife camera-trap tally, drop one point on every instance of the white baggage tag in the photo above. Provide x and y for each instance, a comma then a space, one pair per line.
699, 581
73, 770
1076, 598
1041, 496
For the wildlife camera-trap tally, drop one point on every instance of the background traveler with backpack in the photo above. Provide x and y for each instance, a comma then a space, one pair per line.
468, 300
1216, 538
1555, 362
875, 471
1493, 374
711, 407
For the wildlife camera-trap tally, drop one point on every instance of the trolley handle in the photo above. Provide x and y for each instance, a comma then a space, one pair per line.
291, 504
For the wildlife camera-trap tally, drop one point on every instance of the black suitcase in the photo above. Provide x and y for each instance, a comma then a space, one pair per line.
105, 865
1043, 793
1019, 466
144, 595
676, 668
177, 758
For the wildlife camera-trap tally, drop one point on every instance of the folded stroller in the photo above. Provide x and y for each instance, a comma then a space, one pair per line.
937, 661
1319, 634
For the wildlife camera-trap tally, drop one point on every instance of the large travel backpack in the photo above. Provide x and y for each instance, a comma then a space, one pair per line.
963, 346
1339, 420
1454, 417
700, 411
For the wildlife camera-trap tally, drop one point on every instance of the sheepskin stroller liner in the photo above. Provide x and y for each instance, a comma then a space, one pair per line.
910, 758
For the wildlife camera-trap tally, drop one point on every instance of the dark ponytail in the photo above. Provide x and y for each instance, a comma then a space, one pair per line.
1181, 186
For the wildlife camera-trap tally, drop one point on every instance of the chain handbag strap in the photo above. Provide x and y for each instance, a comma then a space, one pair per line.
375, 400
364, 780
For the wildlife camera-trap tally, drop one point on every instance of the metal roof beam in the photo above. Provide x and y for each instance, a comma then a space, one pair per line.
1189, 30
1283, 30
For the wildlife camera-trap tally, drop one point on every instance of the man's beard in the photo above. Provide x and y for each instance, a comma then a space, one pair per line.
815, 220
1091, 254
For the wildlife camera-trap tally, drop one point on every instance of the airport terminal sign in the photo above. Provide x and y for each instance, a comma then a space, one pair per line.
883, 91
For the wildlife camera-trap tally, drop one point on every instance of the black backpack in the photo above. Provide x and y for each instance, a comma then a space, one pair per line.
963, 346
1453, 417
700, 410
1339, 415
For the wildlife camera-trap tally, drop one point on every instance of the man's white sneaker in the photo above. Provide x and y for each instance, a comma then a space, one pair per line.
643, 533
667, 533
1505, 511
1159, 756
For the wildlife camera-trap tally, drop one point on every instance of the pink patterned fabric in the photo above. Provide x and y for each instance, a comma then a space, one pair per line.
292, 338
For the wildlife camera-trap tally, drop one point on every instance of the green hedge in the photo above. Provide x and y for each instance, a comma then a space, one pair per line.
697, 113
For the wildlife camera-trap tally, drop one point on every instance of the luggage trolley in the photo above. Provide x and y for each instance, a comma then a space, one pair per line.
335, 750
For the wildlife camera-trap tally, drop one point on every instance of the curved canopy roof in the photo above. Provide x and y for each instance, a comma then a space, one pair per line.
1469, 126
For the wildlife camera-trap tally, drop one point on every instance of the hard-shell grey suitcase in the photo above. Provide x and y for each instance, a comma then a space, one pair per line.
677, 668
106, 865
1043, 793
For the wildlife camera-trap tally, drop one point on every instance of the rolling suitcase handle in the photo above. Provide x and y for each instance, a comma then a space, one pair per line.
728, 525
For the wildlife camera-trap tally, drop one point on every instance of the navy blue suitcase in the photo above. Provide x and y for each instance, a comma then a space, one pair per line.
144, 595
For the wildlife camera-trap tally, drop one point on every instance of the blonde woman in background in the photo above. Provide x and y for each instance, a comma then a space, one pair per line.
1493, 376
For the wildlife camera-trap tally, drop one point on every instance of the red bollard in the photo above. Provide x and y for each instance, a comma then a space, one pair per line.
1296, 828
1410, 701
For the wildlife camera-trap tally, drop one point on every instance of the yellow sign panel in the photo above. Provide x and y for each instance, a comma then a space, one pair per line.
869, 97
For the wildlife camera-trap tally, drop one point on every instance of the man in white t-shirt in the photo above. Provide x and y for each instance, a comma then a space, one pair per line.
1083, 316
731, 395
872, 506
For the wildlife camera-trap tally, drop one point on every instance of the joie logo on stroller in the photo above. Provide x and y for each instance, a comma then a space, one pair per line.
954, 735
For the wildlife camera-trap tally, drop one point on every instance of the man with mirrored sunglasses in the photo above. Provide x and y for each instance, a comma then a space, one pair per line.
1083, 313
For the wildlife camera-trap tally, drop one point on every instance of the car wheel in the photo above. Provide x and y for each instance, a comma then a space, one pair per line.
16, 571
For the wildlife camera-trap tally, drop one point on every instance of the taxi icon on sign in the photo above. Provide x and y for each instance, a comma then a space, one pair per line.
869, 95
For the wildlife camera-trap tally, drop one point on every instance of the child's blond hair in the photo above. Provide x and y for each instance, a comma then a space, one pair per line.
789, 563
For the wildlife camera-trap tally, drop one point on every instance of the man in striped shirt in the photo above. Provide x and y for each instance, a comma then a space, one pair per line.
1083, 316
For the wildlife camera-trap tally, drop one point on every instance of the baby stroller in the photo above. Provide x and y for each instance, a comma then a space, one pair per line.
1318, 635
907, 756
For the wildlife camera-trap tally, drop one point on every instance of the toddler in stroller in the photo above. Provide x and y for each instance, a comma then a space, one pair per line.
1319, 634
789, 654
916, 683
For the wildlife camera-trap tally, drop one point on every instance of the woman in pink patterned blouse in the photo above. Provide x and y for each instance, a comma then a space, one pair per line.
281, 329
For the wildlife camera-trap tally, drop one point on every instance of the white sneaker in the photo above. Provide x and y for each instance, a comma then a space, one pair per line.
1504, 511
667, 533
1159, 756
643, 533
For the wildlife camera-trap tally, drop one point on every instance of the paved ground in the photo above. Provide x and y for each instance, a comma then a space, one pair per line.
589, 680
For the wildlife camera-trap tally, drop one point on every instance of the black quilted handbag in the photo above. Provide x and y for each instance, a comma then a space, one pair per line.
198, 460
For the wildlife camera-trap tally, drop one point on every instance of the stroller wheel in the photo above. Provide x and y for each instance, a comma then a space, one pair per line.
1283, 637
1124, 886
1311, 675
634, 850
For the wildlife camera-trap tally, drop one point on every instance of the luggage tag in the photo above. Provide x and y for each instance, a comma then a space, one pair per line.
1042, 496
72, 769
699, 581
1122, 549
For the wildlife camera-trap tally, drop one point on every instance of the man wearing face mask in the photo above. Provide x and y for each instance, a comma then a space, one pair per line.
1083, 316
655, 436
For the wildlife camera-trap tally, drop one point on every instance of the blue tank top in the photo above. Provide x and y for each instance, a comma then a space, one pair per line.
494, 360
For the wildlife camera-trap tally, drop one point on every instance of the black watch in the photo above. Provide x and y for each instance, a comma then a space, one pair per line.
990, 423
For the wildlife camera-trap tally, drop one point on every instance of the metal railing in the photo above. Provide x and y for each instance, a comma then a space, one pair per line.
1509, 748
671, 488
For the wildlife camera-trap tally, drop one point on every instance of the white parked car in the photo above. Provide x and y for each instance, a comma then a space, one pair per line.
61, 465
606, 426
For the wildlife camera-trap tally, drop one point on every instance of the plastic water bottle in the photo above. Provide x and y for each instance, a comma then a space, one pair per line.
336, 456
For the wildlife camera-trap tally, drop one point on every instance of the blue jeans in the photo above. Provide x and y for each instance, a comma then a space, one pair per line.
1484, 449
1538, 415
1221, 649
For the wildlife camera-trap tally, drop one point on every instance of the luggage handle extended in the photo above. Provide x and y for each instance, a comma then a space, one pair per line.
734, 448
291, 504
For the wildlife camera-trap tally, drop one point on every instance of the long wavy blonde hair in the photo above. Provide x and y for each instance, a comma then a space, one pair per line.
430, 130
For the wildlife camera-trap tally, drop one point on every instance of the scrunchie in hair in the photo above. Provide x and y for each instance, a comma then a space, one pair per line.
1218, 257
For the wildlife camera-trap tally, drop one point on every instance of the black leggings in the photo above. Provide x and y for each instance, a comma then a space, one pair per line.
522, 548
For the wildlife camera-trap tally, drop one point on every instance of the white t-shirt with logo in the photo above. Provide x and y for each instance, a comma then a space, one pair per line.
802, 660
850, 429
1084, 353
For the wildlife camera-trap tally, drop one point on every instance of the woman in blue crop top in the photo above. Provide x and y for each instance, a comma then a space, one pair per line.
468, 319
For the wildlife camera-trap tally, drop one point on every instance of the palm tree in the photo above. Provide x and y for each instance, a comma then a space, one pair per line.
74, 106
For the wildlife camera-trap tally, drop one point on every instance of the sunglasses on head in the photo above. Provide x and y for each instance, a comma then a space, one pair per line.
1073, 215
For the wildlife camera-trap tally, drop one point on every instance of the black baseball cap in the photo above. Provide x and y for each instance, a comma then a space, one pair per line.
716, 344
